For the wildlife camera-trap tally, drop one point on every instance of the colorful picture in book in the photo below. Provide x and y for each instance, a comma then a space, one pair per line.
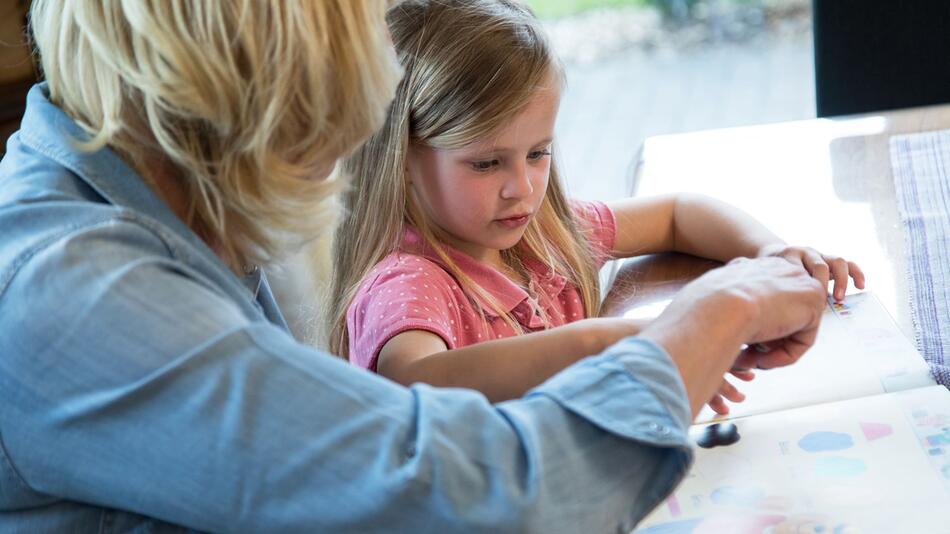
933, 431
841, 309
853, 466
753, 524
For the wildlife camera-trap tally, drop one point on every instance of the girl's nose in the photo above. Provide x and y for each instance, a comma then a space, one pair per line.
518, 184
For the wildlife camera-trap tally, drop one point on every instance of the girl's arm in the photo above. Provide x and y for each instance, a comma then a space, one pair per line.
688, 223
501, 369
706, 227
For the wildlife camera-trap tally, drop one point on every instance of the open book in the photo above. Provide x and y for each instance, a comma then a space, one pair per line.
855, 437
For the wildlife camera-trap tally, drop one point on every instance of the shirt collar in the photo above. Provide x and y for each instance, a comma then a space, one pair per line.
507, 294
48, 130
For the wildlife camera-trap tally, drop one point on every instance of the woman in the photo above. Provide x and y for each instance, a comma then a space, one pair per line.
146, 377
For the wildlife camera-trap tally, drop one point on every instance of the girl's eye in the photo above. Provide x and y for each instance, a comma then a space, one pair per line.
538, 154
486, 165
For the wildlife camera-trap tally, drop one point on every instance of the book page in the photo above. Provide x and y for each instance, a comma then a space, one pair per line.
859, 351
874, 464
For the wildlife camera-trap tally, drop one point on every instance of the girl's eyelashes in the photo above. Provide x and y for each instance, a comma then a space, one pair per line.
538, 154
484, 165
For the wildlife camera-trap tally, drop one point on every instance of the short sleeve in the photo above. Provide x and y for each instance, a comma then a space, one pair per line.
599, 226
408, 293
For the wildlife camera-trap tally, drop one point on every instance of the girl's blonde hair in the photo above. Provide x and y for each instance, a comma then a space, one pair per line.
470, 65
248, 99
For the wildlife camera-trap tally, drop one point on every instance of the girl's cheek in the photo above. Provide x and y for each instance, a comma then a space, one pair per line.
542, 186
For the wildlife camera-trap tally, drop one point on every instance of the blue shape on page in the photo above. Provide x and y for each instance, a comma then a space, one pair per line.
825, 441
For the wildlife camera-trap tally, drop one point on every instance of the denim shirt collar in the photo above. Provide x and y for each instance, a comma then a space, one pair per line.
47, 129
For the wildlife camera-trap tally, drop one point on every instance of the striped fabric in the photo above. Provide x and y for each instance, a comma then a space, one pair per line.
921, 165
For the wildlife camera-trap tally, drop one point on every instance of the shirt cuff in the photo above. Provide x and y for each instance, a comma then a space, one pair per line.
632, 390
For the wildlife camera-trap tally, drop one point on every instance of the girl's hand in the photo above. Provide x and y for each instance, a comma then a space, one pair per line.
822, 267
727, 391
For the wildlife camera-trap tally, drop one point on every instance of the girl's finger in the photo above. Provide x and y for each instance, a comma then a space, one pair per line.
857, 274
743, 374
839, 273
718, 405
782, 352
730, 392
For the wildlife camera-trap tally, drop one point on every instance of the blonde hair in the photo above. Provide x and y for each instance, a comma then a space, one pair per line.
248, 99
469, 66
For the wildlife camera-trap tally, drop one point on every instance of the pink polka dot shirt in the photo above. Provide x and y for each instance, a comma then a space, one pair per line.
410, 290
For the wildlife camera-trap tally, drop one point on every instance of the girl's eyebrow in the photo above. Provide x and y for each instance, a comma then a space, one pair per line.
495, 149
546, 141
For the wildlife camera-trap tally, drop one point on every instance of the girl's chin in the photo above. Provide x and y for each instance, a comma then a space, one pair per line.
498, 239
508, 241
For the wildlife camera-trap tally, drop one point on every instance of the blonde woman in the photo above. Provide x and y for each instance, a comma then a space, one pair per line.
147, 382
472, 240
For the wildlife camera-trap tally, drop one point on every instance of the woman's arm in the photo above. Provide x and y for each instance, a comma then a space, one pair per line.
501, 369
156, 373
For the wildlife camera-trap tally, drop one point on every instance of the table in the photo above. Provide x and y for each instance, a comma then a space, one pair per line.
825, 183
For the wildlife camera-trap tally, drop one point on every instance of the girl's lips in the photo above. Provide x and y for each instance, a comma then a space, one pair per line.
515, 222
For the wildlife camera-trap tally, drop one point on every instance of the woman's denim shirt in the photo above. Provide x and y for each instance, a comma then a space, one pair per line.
144, 386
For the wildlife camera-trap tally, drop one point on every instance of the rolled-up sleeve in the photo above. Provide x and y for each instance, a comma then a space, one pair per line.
148, 390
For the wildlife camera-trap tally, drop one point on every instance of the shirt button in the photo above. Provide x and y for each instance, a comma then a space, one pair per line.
658, 429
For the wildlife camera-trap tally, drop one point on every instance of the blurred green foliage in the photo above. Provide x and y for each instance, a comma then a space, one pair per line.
560, 8
677, 9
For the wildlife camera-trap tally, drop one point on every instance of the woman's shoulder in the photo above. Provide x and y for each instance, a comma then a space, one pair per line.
49, 207
54, 234
67, 254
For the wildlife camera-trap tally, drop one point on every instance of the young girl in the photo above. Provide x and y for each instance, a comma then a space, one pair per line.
460, 262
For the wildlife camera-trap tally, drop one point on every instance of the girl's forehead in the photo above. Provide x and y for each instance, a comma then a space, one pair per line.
532, 125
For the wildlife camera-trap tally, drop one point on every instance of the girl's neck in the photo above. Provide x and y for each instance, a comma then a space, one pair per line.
489, 256
516, 274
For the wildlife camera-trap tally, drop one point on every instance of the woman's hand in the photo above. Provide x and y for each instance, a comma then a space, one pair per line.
728, 391
764, 301
822, 267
